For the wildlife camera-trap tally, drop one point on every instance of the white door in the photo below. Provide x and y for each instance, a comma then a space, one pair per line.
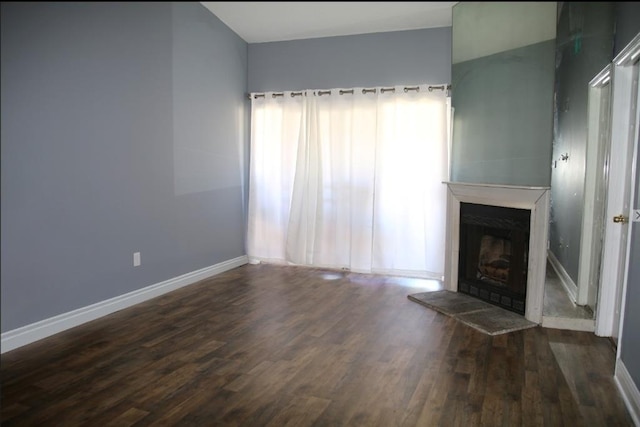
632, 276
628, 215
624, 120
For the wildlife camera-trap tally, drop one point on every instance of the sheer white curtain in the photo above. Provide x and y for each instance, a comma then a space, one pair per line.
350, 180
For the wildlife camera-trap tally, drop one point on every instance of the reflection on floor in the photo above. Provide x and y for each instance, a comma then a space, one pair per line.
557, 302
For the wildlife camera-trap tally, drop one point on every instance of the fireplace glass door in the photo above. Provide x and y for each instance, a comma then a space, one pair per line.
494, 253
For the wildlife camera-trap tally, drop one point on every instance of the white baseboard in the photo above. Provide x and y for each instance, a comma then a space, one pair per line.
565, 279
36, 331
629, 391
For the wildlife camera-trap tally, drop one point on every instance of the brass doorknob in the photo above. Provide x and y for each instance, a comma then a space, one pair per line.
620, 219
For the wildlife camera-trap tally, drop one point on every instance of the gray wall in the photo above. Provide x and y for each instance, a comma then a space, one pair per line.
503, 117
630, 340
627, 23
380, 59
579, 57
102, 105
502, 93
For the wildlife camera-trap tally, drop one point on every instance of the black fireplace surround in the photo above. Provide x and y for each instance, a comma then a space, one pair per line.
494, 253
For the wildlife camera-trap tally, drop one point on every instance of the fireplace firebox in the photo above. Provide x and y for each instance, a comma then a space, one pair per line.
494, 253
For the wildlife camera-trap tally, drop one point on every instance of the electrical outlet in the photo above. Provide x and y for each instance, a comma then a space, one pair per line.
136, 259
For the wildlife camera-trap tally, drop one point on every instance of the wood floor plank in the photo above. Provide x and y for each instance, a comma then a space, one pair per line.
267, 345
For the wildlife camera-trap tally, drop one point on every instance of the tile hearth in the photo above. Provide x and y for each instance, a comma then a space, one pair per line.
480, 315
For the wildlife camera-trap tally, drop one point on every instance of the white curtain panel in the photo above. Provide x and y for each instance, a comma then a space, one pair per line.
350, 180
275, 129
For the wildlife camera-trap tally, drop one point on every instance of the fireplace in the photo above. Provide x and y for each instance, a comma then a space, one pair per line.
510, 255
494, 252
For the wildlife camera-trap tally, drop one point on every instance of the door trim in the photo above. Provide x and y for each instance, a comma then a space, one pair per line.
623, 379
623, 118
593, 219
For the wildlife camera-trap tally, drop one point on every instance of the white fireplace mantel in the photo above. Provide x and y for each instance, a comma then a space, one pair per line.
535, 199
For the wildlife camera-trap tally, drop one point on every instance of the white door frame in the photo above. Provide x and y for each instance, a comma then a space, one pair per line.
596, 166
623, 132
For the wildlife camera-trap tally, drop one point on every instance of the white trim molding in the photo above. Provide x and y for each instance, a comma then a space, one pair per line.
595, 181
620, 181
53, 325
629, 391
535, 199
564, 277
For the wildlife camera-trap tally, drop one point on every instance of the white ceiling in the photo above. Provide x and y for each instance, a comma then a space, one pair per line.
258, 22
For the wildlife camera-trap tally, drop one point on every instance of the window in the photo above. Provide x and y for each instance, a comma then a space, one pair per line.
350, 179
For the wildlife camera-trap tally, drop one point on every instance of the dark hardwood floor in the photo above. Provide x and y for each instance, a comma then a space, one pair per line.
272, 345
